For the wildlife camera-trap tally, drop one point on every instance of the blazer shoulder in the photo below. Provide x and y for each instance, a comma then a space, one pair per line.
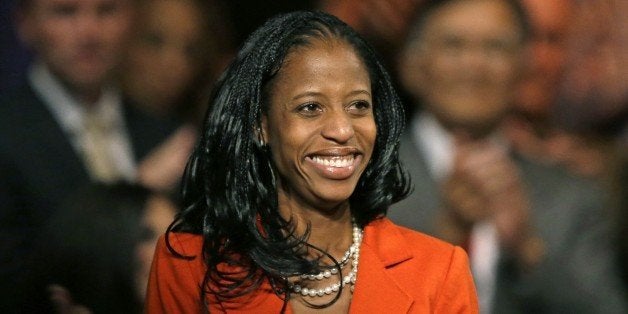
447, 267
424, 243
175, 281
18, 103
434, 273
185, 244
434, 255
396, 243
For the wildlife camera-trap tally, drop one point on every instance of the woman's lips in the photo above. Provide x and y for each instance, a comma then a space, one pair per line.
335, 167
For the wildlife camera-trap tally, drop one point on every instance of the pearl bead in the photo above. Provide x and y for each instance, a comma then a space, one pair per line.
346, 280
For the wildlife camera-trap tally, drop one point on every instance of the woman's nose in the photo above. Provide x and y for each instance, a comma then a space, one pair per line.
338, 126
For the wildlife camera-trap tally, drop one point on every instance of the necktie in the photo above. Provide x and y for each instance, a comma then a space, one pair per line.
97, 155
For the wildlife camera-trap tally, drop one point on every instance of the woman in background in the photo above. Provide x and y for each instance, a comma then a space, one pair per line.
178, 49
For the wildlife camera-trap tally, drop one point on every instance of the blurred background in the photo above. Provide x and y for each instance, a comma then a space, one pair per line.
570, 108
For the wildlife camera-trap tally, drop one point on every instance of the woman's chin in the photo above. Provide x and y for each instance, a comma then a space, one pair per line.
332, 199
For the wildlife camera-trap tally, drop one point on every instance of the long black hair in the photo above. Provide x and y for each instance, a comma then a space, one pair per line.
230, 187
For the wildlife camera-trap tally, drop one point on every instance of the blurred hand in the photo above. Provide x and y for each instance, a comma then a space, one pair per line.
485, 185
162, 169
63, 303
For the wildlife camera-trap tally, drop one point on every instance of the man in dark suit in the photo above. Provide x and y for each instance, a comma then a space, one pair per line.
538, 239
67, 125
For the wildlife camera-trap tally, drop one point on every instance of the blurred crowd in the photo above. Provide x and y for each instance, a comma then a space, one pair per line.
516, 140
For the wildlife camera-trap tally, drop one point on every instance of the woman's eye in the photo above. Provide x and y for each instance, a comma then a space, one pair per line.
360, 107
309, 109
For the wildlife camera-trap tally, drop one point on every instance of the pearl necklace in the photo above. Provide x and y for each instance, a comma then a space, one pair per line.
353, 252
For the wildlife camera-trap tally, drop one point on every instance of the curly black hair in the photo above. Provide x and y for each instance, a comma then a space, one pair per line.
230, 187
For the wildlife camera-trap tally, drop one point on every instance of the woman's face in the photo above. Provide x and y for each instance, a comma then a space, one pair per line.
158, 215
320, 124
166, 55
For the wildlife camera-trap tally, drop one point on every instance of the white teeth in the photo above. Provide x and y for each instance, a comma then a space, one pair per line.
338, 162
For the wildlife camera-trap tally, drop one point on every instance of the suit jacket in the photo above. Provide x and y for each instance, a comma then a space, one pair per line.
577, 274
39, 168
400, 271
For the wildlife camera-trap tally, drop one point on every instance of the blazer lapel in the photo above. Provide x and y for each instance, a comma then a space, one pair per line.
375, 289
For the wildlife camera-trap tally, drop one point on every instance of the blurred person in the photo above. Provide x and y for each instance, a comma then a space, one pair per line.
289, 217
591, 113
95, 253
545, 58
572, 109
592, 108
67, 125
178, 47
531, 126
537, 238
594, 90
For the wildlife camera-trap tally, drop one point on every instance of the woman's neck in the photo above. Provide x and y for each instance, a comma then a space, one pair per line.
330, 230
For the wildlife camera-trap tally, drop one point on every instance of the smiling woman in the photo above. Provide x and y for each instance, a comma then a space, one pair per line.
320, 124
286, 192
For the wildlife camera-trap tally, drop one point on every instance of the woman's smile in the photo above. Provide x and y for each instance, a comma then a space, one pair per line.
335, 164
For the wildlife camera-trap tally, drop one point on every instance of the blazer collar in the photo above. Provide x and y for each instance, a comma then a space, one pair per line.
383, 247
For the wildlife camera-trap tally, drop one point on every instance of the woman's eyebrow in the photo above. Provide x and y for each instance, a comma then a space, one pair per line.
307, 94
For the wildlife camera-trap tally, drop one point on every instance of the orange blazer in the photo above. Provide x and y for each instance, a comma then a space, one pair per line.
401, 271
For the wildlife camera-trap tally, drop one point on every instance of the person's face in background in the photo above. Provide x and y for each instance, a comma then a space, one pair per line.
320, 125
465, 62
166, 54
81, 41
159, 213
550, 22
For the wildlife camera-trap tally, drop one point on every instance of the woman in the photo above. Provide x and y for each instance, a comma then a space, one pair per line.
286, 191
94, 255
178, 46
